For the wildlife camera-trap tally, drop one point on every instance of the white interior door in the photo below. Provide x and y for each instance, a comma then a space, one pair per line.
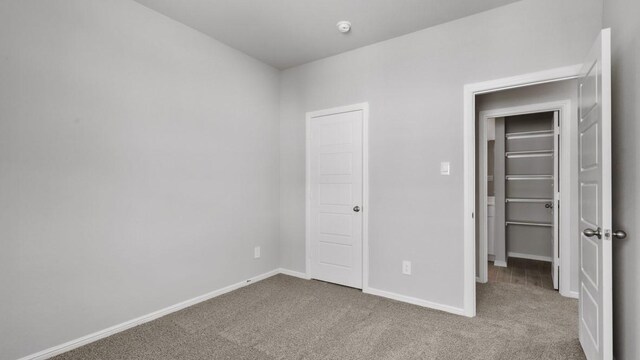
555, 256
595, 201
335, 196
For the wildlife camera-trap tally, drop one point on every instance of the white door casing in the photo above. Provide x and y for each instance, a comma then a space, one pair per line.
594, 131
555, 230
562, 180
470, 91
335, 194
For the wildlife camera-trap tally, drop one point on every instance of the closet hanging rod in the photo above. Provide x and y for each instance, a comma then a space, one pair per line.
529, 177
527, 200
526, 223
529, 134
528, 154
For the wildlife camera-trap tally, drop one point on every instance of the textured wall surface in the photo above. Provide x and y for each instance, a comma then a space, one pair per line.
138, 167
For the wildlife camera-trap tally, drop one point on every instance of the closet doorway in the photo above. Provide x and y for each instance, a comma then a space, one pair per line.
523, 168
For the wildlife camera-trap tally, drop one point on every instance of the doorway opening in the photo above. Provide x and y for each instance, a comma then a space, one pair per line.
525, 186
526, 171
519, 193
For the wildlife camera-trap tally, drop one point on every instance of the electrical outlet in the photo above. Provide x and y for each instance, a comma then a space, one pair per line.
406, 267
256, 252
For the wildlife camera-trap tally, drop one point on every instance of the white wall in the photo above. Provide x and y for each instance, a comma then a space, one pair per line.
538, 94
138, 167
622, 17
414, 85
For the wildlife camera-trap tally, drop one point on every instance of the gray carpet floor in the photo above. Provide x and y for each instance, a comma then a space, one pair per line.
288, 318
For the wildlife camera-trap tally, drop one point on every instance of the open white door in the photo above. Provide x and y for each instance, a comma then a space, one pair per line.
555, 208
594, 127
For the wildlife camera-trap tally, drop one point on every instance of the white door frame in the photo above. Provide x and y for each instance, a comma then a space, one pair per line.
364, 107
469, 128
564, 107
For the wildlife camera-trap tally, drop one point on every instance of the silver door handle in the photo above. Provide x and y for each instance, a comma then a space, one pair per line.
356, 208
619, 234
591, 233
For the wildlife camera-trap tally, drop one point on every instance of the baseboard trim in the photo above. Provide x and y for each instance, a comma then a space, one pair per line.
388, 295
73, 344
297, 274
570, 294
500, 263
414, 301
87, 339
529, 257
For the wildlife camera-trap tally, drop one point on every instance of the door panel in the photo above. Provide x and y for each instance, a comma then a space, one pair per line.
595, 311
334, 194
589, 252
589, 158
336, 179
589, 87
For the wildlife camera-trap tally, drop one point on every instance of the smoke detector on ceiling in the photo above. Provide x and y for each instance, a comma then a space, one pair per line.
344, 26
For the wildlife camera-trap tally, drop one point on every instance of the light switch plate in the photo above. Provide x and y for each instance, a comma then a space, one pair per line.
445, 168
256, 252
406, 267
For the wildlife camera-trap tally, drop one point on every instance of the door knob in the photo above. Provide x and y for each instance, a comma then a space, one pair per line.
591, 233
619, 234
356, 208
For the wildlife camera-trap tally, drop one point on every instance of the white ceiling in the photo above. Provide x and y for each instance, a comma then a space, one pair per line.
286, 33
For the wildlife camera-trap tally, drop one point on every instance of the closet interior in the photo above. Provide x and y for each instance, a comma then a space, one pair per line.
526, 187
